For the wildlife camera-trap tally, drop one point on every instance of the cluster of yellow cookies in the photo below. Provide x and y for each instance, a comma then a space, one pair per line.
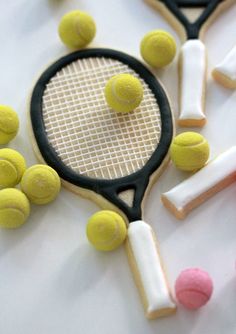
39, 184
106, 230
123, 92
77, 29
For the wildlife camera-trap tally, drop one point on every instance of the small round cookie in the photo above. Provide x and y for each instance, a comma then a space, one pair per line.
77, 29
12, 167
189, 151
193, 288
14, 208
9, 124
158, 48
106, 230
41, 184
123, 92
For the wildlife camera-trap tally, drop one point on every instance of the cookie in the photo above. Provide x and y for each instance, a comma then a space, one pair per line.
112, 158
225, 71
190, 22
215, 176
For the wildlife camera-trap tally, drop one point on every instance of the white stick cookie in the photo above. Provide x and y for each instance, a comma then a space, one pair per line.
215, 176
190, 19
148, 270
225, 72
193, 79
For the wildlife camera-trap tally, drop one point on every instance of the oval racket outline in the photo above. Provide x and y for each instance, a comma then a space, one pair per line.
109, 189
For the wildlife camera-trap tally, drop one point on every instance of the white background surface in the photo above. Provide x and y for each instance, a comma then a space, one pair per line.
51, 279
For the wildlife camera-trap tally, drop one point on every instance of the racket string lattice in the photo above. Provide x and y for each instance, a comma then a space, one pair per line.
97, 151
90, 138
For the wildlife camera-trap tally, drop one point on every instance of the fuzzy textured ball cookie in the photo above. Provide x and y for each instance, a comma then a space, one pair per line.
14, 208
41, 184
193, 288
9, 124
189, 151
106, 230
123, 93
12, 167
158, 48
77, 29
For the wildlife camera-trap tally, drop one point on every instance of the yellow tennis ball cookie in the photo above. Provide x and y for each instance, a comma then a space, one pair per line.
9, 124
123, 92
77, 29
189, 151
158, 48
41, 184
12, 167
14, 208
106, 230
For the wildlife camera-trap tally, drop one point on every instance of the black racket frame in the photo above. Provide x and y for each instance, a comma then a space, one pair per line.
192, 28
109, 189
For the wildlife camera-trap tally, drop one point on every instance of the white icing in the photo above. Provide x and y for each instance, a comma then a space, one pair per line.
206, 178
228, 65
149, 266
193, 55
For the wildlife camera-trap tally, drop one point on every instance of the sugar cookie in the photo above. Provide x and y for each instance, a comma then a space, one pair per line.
41, 184
106, 230
14, 208
9, 124
193, 59
215, 176
123, 92
225, 71
151, 282
193, 288
158, 48
77, 29
111, 158
12, 167
189, 151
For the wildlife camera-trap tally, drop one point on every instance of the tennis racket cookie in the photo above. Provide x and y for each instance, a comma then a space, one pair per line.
190, 18
109, 157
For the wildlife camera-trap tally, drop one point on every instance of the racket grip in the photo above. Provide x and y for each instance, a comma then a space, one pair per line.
146, 265
192, 68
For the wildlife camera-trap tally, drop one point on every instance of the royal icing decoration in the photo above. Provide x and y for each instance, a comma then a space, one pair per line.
215, 176
193, 58
228, 66
149, 266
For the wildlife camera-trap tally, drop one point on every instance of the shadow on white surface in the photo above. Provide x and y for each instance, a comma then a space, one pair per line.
83, 270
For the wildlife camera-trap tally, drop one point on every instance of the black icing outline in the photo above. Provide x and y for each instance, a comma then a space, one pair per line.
192, 28
192, 3
109, 189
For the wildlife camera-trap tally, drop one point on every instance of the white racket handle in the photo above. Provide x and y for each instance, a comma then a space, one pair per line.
148, 271
193, 66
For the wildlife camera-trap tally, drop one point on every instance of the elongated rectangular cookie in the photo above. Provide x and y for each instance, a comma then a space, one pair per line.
225, 71
215, 176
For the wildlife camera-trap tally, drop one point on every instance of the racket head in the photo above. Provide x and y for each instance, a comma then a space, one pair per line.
70, 119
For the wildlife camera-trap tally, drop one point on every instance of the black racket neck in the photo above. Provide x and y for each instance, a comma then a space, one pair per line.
138, 187
192, 28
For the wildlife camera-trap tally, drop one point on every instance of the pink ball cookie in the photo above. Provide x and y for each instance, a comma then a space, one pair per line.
193, 288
